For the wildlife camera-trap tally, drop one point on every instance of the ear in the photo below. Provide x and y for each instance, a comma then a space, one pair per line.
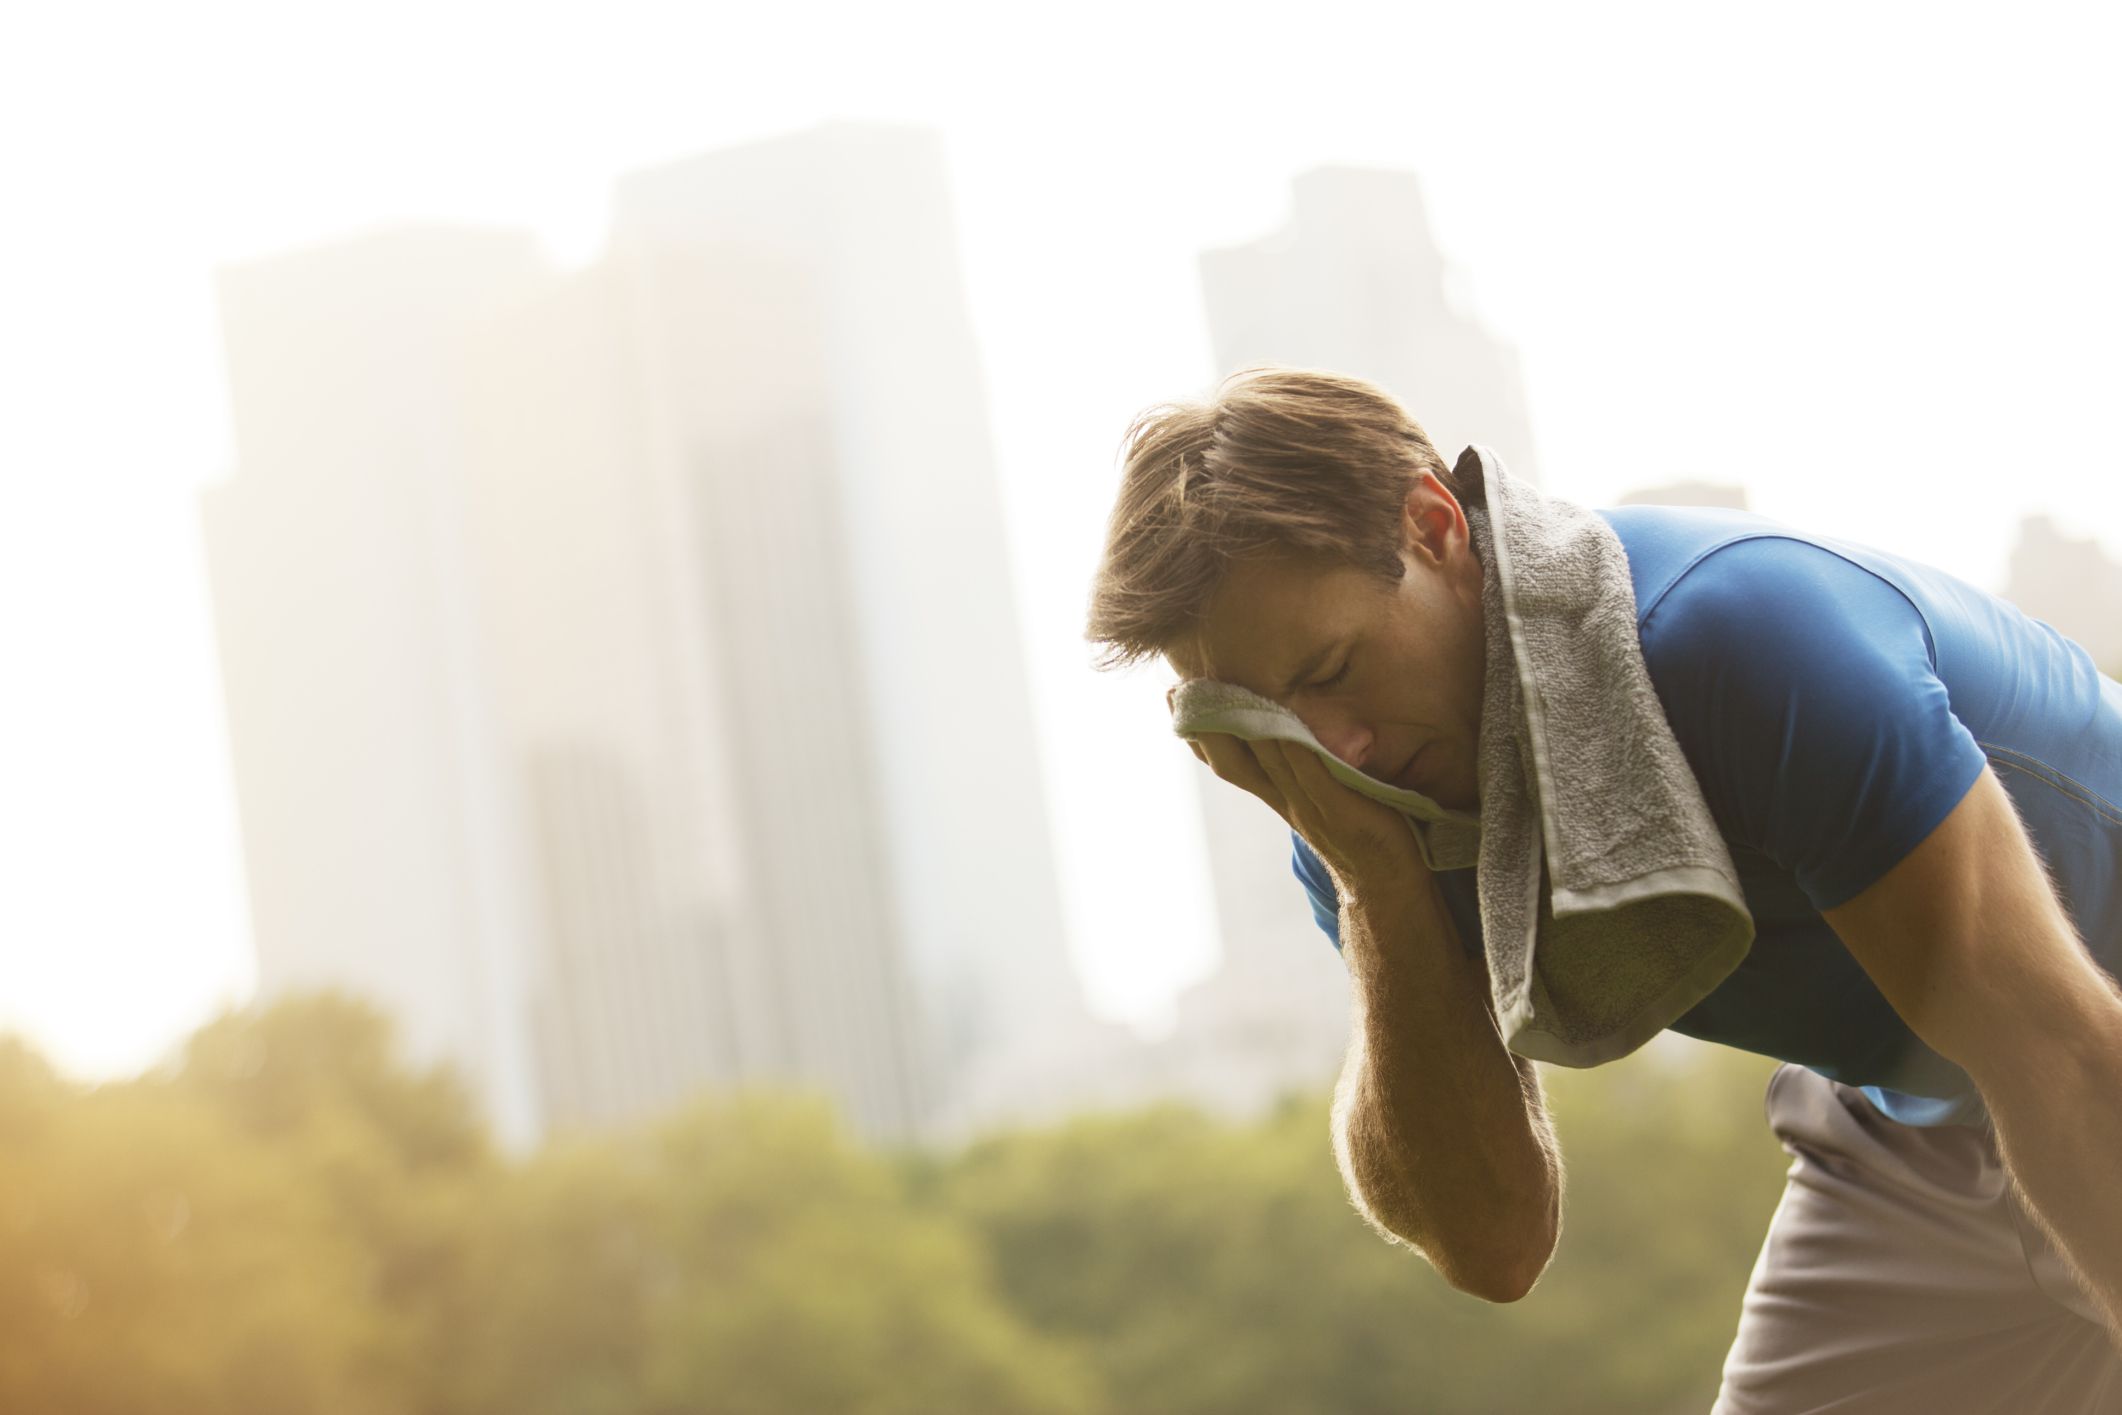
1432, 526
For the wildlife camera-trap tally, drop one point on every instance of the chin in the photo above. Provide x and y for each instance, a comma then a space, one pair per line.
1456, 795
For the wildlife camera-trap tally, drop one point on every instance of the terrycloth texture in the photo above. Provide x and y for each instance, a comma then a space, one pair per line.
1609, 903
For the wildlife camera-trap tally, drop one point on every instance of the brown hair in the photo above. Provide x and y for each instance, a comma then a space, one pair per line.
1277, 461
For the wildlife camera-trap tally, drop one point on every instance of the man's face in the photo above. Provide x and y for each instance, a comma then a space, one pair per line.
1387, 676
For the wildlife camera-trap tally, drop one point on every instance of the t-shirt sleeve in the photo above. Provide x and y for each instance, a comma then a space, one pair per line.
1804, 692
1319, 887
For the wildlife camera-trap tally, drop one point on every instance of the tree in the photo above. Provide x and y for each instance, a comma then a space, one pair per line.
290, 1220
744, 1258
1220, 1268
398, 1157
154, 1257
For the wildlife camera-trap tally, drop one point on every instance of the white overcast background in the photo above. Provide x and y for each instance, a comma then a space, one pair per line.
1860, 258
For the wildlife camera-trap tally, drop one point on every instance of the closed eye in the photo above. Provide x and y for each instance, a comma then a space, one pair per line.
1339, 674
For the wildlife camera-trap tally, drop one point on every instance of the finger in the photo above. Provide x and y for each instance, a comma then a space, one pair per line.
1311, 779
1319, 803
1232, 761
1228, 758
1273, 759
1343, 814
1314, 812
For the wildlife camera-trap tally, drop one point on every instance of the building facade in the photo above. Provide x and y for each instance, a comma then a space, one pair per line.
635, 701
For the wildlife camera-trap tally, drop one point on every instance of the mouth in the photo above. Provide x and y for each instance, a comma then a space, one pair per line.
1405, 776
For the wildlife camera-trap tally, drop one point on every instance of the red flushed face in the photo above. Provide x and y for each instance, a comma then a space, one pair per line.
1387, 676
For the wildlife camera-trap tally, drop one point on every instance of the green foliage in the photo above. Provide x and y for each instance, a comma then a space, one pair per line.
399, 1160
745, 1258
326, 1057
1214, 1268
290, 1220
153, 1257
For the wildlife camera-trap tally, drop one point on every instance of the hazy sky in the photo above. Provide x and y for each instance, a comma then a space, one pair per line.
1860, 258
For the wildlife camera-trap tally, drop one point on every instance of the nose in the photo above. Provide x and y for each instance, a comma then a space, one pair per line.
1346, 738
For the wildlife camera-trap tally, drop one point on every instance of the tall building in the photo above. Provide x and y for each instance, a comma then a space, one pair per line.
1354, 283
715, 638
856, 356
2070, 582
658, 561
381, 830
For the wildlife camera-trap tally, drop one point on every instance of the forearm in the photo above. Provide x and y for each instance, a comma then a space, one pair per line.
1438, 1128
2059, 1128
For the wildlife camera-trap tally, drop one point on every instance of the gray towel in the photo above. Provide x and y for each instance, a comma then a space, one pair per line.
1609, 903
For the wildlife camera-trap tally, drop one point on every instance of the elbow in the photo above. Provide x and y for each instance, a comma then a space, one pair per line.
1500, 1283
1489, 1229
1502, 1275
1501, 1258
1500, 1264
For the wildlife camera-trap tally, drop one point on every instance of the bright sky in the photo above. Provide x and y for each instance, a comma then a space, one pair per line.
1860, 258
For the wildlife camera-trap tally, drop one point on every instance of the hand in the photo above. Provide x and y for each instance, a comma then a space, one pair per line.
1366, 844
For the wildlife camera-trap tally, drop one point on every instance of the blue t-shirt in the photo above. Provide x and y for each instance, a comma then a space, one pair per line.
1836, 703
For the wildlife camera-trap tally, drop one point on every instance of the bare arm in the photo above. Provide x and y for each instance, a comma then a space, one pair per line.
1969, 943
1439, 1130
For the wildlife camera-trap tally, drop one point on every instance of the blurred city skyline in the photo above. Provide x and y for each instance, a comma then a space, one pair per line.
624, 677
1887, 320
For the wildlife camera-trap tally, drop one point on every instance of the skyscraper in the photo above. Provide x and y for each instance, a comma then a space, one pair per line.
2070, 582
723, 615
708, 914
380, 835
851, 232
1355, 283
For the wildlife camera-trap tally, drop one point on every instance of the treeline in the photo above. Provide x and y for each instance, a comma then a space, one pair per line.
287, 1221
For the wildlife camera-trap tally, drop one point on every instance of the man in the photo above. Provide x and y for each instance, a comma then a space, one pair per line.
1891, 757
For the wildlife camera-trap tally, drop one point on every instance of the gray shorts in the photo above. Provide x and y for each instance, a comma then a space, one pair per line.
1902, 1274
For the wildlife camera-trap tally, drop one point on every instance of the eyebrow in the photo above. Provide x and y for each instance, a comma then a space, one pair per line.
1310, 666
